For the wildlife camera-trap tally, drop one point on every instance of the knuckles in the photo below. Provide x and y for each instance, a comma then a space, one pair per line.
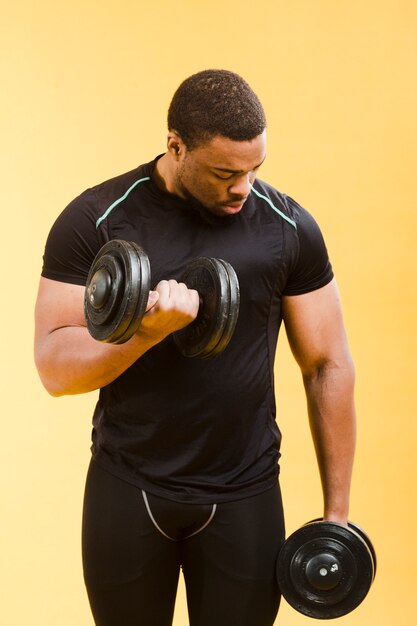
175, 297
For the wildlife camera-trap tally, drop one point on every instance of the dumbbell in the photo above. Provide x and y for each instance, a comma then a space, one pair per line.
117, 293
325, 569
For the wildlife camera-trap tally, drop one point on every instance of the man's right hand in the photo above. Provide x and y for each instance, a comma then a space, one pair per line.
171, 306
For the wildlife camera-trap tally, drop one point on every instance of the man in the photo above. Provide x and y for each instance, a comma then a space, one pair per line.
184, 469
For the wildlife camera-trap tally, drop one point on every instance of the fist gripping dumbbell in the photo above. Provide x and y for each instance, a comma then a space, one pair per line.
325, 570
117, 293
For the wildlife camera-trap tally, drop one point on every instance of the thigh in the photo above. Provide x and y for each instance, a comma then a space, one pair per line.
229, 568
130, 569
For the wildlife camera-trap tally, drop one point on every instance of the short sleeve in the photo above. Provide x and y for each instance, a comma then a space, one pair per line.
311, 268
73, 242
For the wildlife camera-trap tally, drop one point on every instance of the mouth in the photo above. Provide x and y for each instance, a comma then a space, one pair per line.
233, 207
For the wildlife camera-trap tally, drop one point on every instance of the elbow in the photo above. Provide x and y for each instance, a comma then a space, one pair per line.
53, 390
51, 385
58, 381
54, 394
47, 377
341, 369
57, 390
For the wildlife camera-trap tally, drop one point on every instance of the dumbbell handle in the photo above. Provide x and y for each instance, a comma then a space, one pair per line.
100, 285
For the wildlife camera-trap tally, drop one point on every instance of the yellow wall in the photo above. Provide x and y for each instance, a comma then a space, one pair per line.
85, 89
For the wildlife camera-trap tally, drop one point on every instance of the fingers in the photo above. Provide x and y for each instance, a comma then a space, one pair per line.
174, 296
152, 300
171, 306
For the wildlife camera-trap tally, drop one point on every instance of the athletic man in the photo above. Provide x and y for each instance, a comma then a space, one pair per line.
184, 469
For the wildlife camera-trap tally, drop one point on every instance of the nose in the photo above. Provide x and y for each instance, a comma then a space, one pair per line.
241, 185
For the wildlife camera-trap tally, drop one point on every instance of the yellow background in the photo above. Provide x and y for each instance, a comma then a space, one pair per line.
85, 89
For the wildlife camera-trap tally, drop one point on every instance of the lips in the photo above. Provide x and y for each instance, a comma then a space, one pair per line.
237, 204
231, 209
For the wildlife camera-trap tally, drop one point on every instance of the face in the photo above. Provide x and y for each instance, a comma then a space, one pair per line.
218, 175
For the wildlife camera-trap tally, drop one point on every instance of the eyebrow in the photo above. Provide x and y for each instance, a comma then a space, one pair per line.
229, 171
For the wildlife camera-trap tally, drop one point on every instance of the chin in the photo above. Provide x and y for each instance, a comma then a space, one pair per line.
212, 215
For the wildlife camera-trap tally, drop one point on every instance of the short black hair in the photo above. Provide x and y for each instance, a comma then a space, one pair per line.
215, 102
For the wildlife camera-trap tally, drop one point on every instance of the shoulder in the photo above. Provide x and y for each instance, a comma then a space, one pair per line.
304, 226
285, 206
75, 238
305, 253
271, 199
92, 200
123, 182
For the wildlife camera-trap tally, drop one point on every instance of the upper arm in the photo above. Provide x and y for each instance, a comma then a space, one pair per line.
315, 328
58, 305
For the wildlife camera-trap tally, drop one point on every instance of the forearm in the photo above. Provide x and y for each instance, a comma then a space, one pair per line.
70, 361
331, 411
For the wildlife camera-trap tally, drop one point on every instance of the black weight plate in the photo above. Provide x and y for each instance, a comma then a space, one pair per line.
99, 314
103, 322
200, 338
368, 542
322, 551
362, 534
325, 542
110, 322
141, 282
233, 314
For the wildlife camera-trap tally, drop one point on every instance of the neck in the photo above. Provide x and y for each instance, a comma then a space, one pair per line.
164, 174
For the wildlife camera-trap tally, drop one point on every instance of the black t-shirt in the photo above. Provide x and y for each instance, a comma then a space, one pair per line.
188, 429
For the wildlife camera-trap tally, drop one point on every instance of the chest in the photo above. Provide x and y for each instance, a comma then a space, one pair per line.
253, 243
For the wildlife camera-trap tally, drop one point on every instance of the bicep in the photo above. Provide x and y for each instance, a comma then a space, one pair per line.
58, 305
315, 328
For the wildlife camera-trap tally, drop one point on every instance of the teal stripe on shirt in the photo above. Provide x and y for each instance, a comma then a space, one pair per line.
272, 205
119, 200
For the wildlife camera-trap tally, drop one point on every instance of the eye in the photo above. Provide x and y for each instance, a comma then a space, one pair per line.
223, 175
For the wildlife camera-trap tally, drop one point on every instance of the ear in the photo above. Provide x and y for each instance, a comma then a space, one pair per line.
175, 145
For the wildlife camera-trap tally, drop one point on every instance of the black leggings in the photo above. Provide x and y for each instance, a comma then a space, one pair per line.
135, 543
